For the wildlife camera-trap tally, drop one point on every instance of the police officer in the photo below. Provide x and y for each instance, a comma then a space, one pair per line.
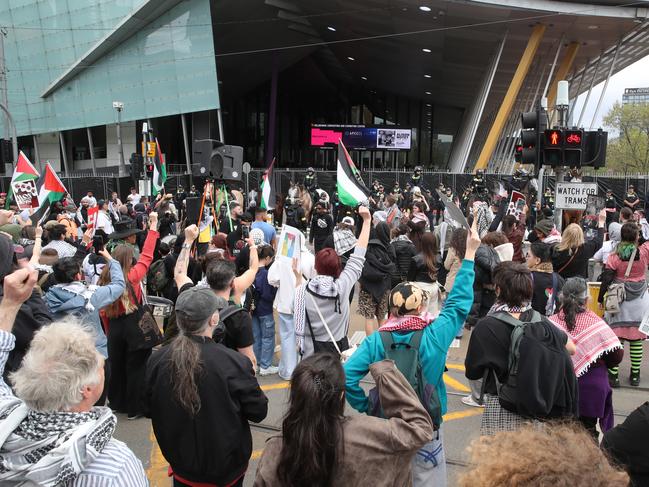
548, 199
610, 204
478, 183
311, 180
464, 200
416, 179
631, 199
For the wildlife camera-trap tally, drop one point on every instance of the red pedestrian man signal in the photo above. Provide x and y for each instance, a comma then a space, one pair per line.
554, 138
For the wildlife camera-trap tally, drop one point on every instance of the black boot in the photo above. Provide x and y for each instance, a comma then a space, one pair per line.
614, 380
634, 379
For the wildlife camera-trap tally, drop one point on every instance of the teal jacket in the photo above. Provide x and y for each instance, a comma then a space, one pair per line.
436, 340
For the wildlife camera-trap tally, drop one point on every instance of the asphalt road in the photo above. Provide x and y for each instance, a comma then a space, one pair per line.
461, 426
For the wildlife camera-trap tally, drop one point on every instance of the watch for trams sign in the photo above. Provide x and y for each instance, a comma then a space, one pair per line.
574, 196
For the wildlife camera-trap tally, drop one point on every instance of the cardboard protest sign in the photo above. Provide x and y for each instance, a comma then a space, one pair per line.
25, 194
290, 243
516, 204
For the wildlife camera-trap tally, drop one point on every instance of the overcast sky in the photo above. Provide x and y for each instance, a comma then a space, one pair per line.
634, 76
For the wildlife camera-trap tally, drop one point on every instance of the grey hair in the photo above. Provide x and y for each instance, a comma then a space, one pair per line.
61, 361
574, 295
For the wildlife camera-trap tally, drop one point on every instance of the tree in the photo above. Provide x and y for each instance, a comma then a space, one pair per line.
629, 152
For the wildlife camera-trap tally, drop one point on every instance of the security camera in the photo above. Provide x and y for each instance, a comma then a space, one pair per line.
118, 105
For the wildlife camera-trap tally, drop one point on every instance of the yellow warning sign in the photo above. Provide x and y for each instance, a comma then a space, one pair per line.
150, 151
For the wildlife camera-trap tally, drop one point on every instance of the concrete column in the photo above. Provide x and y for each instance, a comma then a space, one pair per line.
49, 149
128, 142
464, 140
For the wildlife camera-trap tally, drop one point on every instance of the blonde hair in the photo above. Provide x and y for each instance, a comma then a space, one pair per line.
61, 360
572, 238
559, 455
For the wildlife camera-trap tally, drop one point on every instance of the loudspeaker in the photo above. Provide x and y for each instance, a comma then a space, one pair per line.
217, 161
192, 210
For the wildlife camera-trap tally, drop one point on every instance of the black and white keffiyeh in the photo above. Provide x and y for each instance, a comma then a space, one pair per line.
50, 449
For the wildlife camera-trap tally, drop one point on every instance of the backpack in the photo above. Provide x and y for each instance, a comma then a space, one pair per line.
156, 278
407, 359
539, 362
221, 330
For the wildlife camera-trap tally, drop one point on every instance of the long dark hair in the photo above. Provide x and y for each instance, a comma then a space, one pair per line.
430, 251
312, 428
574, 295
458, 242
186, 364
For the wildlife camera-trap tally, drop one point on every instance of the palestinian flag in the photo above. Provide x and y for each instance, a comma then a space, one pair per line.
159, 170
50, 189
268, 189
349, 184
24, 171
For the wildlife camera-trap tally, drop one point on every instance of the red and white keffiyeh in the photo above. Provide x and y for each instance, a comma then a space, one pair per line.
408, 322
592, 336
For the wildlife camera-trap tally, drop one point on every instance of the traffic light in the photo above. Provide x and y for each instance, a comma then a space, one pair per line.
6, 152
572, 147
137, 163
534, 123
594, 154
518, 153
553, 147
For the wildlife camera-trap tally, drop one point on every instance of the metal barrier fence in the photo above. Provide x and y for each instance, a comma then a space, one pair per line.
80, 182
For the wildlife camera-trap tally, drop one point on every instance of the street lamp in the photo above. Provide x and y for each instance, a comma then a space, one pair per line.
119, 106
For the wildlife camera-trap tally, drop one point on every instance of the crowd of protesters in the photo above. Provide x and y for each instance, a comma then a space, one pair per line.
80, 341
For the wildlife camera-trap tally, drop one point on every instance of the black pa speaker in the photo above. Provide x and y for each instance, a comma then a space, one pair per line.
214, 160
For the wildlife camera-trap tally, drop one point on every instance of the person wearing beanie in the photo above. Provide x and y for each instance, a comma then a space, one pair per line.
545, 231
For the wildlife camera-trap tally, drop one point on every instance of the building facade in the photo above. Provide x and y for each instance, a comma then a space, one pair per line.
262, 73
635, 95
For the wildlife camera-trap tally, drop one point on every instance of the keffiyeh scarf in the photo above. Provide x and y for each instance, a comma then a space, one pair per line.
484, 217
344, 241
499, 307
320, 285
592, 336
50, 449
407, 323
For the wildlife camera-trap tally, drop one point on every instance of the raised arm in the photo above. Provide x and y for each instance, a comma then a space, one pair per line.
139, 270
180, 271
38, 242
364, 237
17, 288
105, 295
245, 280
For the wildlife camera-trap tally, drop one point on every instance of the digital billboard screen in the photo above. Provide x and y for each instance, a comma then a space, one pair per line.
361, 137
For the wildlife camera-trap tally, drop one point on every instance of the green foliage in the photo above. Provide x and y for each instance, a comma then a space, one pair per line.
629, 152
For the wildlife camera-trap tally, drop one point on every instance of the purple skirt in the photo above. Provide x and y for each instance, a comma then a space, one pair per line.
596, 396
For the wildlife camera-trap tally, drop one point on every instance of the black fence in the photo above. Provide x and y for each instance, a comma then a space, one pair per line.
104, 185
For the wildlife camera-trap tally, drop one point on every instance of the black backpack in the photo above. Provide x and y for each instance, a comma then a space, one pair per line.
541, 383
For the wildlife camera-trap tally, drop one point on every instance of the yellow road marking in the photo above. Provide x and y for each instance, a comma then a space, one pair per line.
279, 385
456, 367
455, 384
467, 413
158, 466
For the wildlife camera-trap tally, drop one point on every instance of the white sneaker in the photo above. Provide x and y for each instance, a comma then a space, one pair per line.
269, 371
469, 401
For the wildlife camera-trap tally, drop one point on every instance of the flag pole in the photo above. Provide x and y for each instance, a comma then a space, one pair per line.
227, 203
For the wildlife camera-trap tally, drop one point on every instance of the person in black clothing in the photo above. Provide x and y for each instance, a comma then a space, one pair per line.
404, 250
628, 445
425, 265
631, 199
295, 216
200, 396
237, 238
322, 226
489, 347
611, 207
546, 284
220, 275
570, 256
236, 211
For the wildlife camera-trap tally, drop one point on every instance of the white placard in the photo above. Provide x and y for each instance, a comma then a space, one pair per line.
25, 194
573, 196
290, 243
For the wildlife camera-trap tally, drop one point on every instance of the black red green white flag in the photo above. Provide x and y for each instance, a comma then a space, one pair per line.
159, 169
351, 188
268, 189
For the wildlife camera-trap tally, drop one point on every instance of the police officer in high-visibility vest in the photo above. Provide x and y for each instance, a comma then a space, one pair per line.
548, 199
631, 198
416, 178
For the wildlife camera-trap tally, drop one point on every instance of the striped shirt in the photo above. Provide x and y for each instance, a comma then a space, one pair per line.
116, 465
